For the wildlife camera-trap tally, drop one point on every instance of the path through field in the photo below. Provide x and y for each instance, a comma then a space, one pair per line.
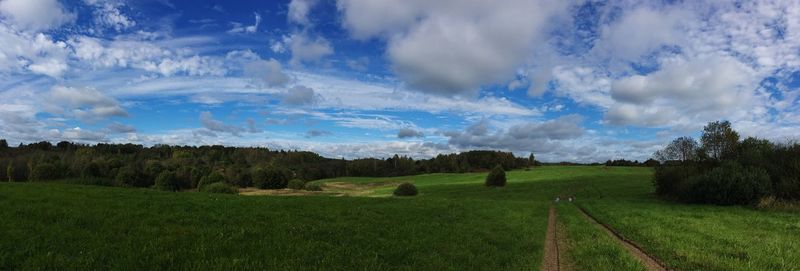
649, 262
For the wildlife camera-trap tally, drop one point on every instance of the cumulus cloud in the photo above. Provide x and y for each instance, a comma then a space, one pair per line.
24, 52
452, 51
409, 133
208, 122
116, 127
83, 103
35, 14
81, 135
299, 95
705, 87
307, 49
147, 56
540, 136
269, 71
108, 14
298, 11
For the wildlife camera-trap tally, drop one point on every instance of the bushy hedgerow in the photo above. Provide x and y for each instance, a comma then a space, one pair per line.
296, 184
167, 181
405, 189
729, 184
219, 187
497, 177
127, 176
313, 187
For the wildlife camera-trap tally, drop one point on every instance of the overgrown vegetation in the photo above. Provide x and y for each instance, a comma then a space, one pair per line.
496, 178
132, 165
296, 184
219, 187
724, 170
405, 189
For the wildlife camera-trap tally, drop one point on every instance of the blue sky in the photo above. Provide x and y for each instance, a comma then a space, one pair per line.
569, 80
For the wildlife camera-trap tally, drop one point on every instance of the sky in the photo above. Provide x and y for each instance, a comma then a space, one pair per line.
578, 81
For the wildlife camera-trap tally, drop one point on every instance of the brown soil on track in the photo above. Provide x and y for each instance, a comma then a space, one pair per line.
554, 246
649, 262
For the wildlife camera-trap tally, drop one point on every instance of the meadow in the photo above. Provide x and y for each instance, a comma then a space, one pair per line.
455, 223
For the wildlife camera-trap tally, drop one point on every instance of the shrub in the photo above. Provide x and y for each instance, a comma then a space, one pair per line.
167, 181
313, 187
730, 184
673, 180
213, 177
405, 189
127, 176
296, 184
219, 187
497, 177
91, 170
270, 178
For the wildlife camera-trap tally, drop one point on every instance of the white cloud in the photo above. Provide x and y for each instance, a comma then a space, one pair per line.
208, 122
268, 71
306, 49
36, 53
107, 13
452, 47
409, 133
239, 28
35, 14
299, 95
298, 11
83, 103
144, 55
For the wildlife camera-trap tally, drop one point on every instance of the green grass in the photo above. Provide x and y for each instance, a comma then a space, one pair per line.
694, 237
455, 223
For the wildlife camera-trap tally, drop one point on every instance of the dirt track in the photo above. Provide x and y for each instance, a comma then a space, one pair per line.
649, 262
554, 245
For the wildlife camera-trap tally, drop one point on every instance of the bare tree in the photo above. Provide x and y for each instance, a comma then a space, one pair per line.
681, 149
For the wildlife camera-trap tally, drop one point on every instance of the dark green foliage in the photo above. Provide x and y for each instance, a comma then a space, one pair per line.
719, 140
271, 178
128, 176
313, 187
167, 181
91, 170
3, 145
497, 177
213, 177
726, 171
44, 172
10, 172
405, 189
219, 187
296, 184
729, 184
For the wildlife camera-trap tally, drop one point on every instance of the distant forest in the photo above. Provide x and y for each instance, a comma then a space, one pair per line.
139, 166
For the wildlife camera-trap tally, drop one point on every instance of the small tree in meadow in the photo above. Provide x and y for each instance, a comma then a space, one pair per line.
496, 178
167, 180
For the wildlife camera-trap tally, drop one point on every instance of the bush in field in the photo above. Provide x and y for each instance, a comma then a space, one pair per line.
497, 177
44, 172
296, 184
313, 187
270, 178
213, 177
91, 170
673, 180
730, 184
405, 189
219, 187
167, 181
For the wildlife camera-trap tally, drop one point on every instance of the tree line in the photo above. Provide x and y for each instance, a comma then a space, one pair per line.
187, 167
722, 169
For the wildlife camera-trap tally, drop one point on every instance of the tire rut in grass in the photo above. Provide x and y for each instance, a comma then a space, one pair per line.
553, 245
650, 262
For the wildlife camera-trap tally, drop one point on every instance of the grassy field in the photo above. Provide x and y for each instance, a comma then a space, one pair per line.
455, 223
